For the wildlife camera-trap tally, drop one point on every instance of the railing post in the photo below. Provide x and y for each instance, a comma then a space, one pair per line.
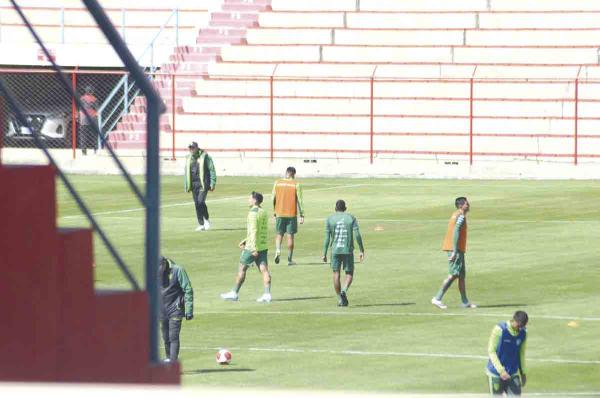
471, 123
62, 24
271, 115
371, 118
575, 155
123, 21
177, 27
74, 113
125, 94
173, 111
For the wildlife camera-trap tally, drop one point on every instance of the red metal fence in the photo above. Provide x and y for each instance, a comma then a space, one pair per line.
465, 118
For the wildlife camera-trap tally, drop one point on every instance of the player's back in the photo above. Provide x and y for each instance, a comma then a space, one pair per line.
285, 193
341, 228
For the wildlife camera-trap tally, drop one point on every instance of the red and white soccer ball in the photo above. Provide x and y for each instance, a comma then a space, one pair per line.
223, 356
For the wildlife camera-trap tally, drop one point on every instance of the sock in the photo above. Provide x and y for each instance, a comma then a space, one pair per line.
443, 289
339, 296
290, 254
345, 289
268, 289
237, 288
277, 248
463, 297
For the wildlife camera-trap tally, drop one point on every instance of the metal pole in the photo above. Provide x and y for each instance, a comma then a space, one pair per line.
177, 27
155, 108
471, 123
575, 155
271, 115
152, 224
173, 110
62, 25
74, 114
371, 117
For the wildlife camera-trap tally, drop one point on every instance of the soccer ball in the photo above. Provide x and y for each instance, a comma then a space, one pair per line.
223, 356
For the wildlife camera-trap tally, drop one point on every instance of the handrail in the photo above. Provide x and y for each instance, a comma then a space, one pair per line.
103, 122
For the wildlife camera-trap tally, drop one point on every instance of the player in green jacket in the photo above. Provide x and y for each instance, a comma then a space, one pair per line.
340, 230
177, 302
254, 250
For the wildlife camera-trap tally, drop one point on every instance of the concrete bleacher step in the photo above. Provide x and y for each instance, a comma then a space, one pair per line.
67, 332
194, 57
244, 7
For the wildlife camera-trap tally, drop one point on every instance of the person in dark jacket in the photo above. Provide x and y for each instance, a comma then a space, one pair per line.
177, 302
200, 177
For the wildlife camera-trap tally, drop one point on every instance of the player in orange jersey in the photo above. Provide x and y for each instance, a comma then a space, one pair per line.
455, 244
289, 209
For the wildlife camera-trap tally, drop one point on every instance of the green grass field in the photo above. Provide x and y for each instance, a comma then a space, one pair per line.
533, 245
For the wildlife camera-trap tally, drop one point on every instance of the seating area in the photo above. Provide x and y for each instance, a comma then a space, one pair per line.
421, 57
402, 78
66, 27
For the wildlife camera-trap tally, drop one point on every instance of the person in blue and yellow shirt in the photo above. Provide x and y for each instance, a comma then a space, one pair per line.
506, 351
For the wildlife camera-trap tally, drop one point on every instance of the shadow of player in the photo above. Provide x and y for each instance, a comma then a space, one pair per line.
384, 305
303, 298
224, 368
501, 305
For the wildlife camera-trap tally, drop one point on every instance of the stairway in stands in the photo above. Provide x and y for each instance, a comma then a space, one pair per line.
55, 326
226, 27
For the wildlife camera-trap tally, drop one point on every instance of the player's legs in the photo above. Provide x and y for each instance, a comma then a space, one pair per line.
199, 212
514, 386
278, 239
174, 330
263, 266
336, 283
497, 386
290, 246
240, 277
164, 328
445, 286
202, 204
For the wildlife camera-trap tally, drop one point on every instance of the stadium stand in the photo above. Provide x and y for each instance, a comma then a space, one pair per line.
446, 77
101, 336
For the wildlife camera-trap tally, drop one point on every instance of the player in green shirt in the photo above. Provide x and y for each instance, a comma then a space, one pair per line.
254, 250
340, 230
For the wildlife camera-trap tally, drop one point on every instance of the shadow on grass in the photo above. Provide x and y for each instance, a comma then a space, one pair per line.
501, 305
220, 370
227, 229
303, 298
384, 305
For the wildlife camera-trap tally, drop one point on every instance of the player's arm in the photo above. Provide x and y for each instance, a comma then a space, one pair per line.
212, 172
273, 194
252, 231
522, 361
359, 240
492, 347
300, 200
188, 293
327, 240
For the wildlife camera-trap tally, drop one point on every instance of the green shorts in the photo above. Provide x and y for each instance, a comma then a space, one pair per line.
246, 258
456, 267
345, 260
285, 225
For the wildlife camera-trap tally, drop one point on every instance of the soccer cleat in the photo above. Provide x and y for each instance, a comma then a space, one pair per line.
206, 225
438, 303
343, 300
231, 296
469, 305
265, 298
200, 228
277, 256
291, 263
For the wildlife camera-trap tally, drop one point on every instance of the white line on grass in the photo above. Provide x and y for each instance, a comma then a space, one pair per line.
386, 353
102, 213
424, 314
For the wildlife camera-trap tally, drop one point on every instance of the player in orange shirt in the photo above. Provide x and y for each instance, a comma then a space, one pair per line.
455, 244
288, 205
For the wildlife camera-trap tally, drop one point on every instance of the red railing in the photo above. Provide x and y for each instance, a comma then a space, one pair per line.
382, 121
474, 133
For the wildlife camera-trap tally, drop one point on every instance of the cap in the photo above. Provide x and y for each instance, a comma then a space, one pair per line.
193, 144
